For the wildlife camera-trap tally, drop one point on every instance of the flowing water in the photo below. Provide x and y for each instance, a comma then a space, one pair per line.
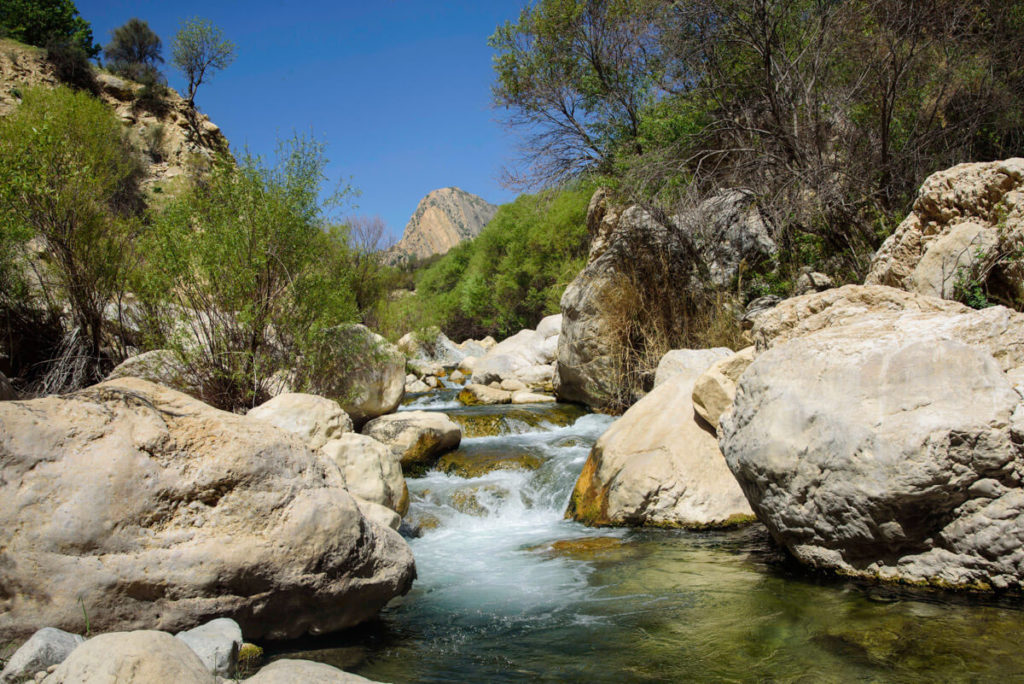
509, 591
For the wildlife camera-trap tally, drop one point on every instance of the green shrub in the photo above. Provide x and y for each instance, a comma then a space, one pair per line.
243, 281
69, 178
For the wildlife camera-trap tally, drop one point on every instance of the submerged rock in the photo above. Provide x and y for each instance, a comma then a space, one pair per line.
476, 462
143, 507
659, 465
475, 394
879, 436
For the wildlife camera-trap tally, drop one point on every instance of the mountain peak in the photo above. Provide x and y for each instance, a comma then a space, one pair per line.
444, 218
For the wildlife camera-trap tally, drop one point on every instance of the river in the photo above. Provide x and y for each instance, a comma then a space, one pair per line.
509, 591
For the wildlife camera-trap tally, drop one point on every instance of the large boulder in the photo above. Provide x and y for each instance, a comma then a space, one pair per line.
888, 444
416, 438
369, 379
141, 657
315, 419
995, 329
521, 352
45, 648
641, 270
659, 465
371, 471
290, 671
140, 506
965, 220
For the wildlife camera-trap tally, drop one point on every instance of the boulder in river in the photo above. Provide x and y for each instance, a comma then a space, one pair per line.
475, 394
416, 438
140, 506
641, 262
371, 471
141, 657
216, 643
879, 435
289, 671
522, 352
659, 465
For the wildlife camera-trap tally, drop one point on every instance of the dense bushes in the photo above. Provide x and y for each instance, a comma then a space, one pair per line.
833, 113
513, 273
68, 181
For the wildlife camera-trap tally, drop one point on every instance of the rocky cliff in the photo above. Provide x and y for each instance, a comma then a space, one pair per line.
443, 219
171, 138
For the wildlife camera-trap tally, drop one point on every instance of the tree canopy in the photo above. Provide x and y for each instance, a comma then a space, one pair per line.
199, 50
40, 22
134, 50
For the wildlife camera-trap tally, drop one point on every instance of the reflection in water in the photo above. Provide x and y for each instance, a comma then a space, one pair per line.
510, 591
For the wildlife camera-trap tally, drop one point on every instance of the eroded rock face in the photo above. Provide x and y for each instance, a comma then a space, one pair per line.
635, 257
964, 218
416, 438
316, 420
884, 440
996, 328
658, 465
443, 219
148, 508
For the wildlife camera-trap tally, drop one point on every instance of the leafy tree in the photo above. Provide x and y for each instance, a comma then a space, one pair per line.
574, 75
246, 280
41, 22
68, 177
134, 50
199, 50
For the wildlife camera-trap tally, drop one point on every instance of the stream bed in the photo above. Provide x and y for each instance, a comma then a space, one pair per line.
509, 591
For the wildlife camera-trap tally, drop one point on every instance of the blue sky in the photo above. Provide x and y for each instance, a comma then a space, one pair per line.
398, 89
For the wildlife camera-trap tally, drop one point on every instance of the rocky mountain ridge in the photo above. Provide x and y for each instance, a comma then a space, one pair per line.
443, 219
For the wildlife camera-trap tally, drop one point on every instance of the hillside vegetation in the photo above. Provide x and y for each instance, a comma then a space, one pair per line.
507, 278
